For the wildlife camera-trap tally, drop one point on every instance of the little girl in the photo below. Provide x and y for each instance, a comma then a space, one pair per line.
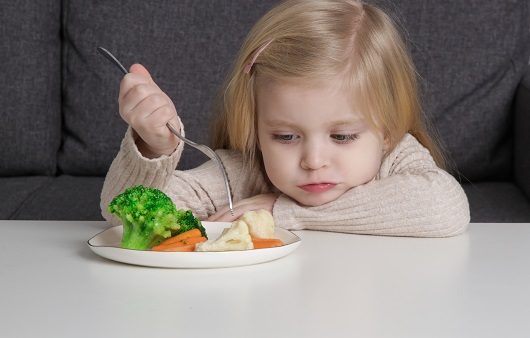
319, 122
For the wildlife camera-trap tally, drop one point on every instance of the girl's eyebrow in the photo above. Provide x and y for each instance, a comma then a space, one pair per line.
276, 122
353, 122
340, 123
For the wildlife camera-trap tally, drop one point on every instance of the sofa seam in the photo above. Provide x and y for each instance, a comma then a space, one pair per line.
28, 198
64, 76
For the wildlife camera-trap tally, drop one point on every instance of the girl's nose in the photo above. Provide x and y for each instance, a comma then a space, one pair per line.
314, 157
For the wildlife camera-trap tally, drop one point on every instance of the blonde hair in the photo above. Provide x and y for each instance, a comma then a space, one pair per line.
318, 41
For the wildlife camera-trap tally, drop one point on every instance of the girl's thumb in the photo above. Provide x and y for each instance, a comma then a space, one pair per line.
139, 69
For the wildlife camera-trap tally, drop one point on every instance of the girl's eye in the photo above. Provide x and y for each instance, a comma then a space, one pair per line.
344, 138
284, 138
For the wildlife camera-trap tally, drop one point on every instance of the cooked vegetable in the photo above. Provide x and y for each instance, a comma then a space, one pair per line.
186, 244
236, 237
262, 243
149, 216
182, 236
189, 222
182, 248
260, 223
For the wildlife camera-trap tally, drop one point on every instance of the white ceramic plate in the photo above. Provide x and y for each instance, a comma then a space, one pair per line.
107, 244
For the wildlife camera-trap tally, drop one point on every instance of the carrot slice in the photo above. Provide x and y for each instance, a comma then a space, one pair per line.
182, 236
181, 248
262, 243
183, 245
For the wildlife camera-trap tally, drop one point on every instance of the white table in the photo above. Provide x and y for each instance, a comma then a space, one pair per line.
333, 285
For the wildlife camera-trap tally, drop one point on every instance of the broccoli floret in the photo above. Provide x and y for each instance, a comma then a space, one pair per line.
187, 222
149, 216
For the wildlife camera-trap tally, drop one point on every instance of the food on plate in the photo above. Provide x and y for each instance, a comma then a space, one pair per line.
255, 230
182, 236
149, 217
262, 243
260, 223
185, 241
185, 245
151, 221
237, 237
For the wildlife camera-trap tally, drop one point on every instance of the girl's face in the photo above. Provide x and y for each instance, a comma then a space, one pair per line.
314, 142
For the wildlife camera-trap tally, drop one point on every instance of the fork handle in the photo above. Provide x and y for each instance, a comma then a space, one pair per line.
213, 156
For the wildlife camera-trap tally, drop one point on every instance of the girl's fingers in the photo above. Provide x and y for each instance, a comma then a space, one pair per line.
130, 81
138, 95
147, 109
139, 69
152, 127
149, 105
224, 214
264, 201
223, 217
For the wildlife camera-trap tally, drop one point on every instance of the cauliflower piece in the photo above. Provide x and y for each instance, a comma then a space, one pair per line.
236, 237
260, 223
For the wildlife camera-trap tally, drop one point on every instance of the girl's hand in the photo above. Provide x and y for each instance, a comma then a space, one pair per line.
263, 201
147, 109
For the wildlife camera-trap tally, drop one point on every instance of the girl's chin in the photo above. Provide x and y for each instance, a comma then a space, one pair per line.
315, 200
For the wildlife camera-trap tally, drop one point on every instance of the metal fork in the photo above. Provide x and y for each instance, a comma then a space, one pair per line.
203, 148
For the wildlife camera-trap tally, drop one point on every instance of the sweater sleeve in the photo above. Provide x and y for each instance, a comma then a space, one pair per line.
410, 196
201, 189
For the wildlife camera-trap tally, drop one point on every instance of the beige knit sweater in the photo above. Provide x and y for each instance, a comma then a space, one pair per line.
410, 196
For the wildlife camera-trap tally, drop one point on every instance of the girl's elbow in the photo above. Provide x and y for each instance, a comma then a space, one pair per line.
454, 220
448, 212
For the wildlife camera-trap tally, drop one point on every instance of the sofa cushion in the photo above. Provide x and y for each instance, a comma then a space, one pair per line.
187, 46
16, 191
497, 202
64, 198
30, 100
471, 56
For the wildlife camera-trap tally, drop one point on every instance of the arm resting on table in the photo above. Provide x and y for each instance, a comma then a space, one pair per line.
410, 197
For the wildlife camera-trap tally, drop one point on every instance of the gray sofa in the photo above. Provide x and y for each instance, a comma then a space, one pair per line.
60, 128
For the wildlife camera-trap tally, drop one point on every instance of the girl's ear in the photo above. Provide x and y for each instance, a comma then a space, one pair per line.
386, 142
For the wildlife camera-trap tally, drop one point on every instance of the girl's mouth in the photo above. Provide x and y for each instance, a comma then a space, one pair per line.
317, 187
